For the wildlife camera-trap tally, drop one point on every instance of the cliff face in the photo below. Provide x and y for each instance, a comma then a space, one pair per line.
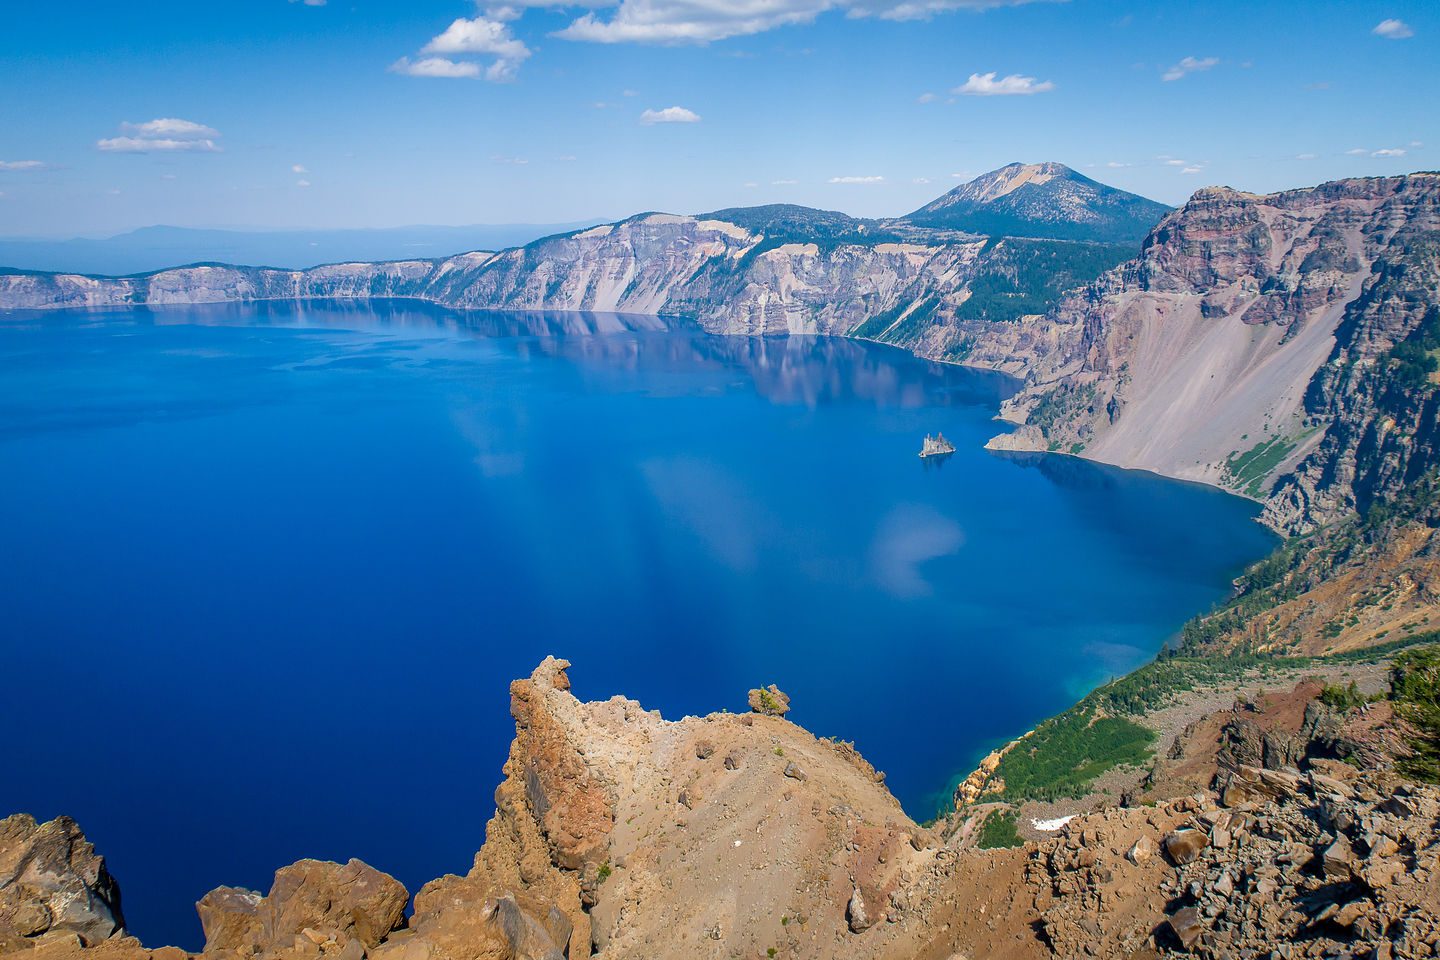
729, 279
1208, 357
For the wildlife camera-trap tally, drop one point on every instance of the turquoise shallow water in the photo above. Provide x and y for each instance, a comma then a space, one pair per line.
268, 570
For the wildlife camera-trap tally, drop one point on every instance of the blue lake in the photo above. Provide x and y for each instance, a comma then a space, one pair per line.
268, 571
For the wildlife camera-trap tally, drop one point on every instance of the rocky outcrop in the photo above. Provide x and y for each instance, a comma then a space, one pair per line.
1221, 353
52, 883
1293, 865
313, 907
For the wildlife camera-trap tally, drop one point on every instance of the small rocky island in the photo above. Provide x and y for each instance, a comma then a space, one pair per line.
936, 446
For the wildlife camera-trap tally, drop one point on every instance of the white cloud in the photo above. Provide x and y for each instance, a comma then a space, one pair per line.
150, 145
434, 67
312, 3
985, 85
482, 36
704, 21
752, 185
517, 161
856, 180
921, 180
302, 183
783, 183
926, 98
669, 115
168, 176
22, 165
629, 93
1189, 65
478, 36
1305, 156
1172, 162
1192, 169
1357, 152
298, 168
1396, 152
164, 134
565, 159
1393, 30
1116, 164
172, 128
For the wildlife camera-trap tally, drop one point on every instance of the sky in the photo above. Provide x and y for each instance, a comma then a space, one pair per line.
378, 113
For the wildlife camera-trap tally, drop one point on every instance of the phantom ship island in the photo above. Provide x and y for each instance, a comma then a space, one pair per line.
936, 446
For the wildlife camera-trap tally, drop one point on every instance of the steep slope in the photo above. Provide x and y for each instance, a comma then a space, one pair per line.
1207, 357
1044, 200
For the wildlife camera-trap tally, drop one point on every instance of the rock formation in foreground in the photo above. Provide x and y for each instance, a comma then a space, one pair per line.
620, 834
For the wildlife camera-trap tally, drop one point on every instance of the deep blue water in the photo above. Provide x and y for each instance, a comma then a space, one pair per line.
266, 572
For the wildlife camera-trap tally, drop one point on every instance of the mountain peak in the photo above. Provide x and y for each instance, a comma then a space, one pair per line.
997, 183
1045, 200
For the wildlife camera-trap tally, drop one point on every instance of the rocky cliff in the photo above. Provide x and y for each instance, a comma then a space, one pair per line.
1252, 343
1244, 345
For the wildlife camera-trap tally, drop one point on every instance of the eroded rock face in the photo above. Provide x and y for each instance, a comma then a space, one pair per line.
1235, 330
52, 881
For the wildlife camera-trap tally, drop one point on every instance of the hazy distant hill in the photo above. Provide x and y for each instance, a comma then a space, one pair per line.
154, 248
1045, 200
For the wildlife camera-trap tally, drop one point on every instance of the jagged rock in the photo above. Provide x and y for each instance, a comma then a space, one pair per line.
1141, 851
1338, 859
793, 771
1184, 846
229, 917
355, 899
704, 749
458, 919
856, 913
53, 883
733, 759
769, 701
1187, 926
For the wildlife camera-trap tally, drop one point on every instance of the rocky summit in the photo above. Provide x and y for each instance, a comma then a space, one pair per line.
1044, 200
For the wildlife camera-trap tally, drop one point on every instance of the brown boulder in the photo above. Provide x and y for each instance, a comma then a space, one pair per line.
1185, 924
769, 701
52, 882
458, 919
1183, 846
356, 900
229, 917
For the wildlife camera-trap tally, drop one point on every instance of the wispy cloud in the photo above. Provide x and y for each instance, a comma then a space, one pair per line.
22, 165
926, 98
302, 183
1393, 30
515, 161
310, 3
299, 168
705, 21
1391, 152
162, 135
783, 183
1189, 65
669, 115
435, 67
985, 85
1305, 156
856, 180
1116, 164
